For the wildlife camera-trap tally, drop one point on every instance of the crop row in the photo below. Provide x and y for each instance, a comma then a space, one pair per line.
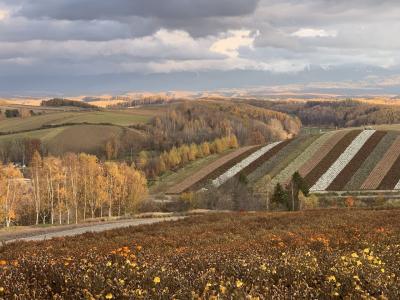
331, 157
370, 163
307, 150
391, 179
342, 178
260, 167
318, 156
343, 160
212, 169
382, 168
243, 164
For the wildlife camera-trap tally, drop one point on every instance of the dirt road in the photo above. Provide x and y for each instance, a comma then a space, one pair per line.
93, 228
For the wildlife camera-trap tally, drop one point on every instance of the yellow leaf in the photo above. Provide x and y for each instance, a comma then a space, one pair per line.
156, 280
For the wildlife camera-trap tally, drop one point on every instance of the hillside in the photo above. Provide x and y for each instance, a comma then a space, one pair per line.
344, 160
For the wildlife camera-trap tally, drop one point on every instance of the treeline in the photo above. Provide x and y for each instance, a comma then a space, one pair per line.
338, 113
145, 101
68, 189
58, 102
200, 121
178, 157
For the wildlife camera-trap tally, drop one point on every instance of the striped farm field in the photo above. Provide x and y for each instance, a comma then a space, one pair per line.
350, 160
358, 178
377, 175
318, 156
342, 161
327, 161
348, 171
307, 150
250, 162
392, 177
212, 170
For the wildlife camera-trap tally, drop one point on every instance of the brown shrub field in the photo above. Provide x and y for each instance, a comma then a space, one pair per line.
324, 254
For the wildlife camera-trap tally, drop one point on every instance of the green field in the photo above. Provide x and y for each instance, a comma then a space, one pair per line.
113, 117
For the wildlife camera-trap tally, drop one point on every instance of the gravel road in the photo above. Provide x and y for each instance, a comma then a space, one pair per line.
94, 228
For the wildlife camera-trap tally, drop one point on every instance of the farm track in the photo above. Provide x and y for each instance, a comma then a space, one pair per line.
331, 157
376, 177
319, 155
211, 171
308, 149
391, 179
340, 181
370, 163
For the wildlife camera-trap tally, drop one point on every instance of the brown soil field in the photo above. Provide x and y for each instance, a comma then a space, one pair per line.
383, 167
212, 171
83, 138
255, 164
391, 179
341, 180
321, 153
331, 157
318, 254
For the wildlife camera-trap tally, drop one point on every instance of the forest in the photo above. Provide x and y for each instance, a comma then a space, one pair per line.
337, 113
68, 189
58, 102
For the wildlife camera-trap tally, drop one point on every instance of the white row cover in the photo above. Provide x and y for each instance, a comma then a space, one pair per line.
344, 159
243, 164
397, 187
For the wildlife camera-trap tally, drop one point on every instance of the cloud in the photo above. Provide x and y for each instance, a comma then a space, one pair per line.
230, 45
105, 9
86, 37
3, 14
314, 33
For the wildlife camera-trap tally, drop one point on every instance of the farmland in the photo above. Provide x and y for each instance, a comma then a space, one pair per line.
344, 160
310, 254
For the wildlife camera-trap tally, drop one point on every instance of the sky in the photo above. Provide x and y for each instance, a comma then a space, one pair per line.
99, 46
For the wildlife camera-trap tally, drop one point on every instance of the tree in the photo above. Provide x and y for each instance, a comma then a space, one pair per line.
280, 196
11, 188
297, 185
35, 171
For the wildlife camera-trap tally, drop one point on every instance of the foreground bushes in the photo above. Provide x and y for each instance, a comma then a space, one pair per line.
308, 255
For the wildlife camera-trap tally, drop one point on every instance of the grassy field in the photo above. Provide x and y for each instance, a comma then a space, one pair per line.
76, 138
304, 255
121, 118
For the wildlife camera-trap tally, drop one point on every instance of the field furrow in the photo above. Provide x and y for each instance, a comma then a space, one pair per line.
383, 167
257, 165
391, 179
212, 169
343, 160
308, 150
331, 157
318, 156
230, 173
343, 177
370, 163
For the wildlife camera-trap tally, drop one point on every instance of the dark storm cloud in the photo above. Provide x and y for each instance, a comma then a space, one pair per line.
164, 9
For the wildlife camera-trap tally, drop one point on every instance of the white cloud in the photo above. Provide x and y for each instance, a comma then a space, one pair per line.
3, 14
236, 39
314, 33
